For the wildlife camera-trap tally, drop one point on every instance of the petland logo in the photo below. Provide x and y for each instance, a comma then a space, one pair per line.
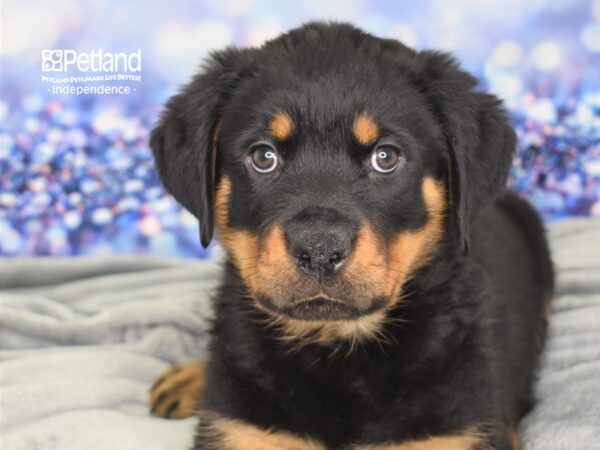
69, 72
95, 61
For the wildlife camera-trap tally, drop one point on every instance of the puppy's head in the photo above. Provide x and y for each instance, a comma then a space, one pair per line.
332, 165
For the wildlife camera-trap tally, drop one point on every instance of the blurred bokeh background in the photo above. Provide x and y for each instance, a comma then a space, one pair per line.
76, 176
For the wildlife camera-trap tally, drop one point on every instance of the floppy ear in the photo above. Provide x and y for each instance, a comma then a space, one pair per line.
184, 142
480, 138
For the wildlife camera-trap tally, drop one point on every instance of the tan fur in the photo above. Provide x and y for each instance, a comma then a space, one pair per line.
515, 440
303, 332
367, 267
266, 267
236, 435
465, 441
365, 129
275, 268
182, 384
410, 250
281, 126
241, 245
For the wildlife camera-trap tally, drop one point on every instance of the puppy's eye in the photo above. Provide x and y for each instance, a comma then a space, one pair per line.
386, 159
264, 159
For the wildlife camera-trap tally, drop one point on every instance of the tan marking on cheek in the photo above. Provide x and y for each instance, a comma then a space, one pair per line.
466, 441
236, 435
365, 129
276, 269
281, 126
410, 250
265, 267
241, 245
366, 269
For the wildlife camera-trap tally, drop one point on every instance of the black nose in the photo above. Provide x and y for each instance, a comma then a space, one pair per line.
320, 240
320, 253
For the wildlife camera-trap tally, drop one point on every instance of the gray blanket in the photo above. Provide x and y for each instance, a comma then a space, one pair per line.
82, 340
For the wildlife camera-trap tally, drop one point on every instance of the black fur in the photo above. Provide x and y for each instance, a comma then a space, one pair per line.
470, 325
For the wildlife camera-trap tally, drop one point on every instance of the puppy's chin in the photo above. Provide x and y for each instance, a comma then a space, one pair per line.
321, 309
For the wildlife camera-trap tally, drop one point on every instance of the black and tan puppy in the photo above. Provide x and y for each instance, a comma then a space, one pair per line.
381, 290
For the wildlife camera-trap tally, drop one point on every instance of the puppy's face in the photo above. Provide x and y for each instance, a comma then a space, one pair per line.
332, 164
330, 194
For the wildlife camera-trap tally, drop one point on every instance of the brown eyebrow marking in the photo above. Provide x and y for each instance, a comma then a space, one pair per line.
365, 129
281, 126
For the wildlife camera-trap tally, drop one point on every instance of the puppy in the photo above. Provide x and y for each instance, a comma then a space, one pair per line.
382, 291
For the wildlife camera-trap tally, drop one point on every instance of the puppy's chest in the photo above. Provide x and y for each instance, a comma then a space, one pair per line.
360, 405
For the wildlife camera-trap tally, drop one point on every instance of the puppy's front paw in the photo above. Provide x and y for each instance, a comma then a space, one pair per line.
176, 393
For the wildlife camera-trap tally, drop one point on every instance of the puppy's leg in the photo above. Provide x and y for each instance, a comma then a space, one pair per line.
176, 393
455, 442
471, 440
216, 432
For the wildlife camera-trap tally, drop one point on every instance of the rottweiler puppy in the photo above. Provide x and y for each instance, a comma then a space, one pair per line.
381, 291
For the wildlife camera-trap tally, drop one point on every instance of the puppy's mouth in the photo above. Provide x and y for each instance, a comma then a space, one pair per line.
321, 308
